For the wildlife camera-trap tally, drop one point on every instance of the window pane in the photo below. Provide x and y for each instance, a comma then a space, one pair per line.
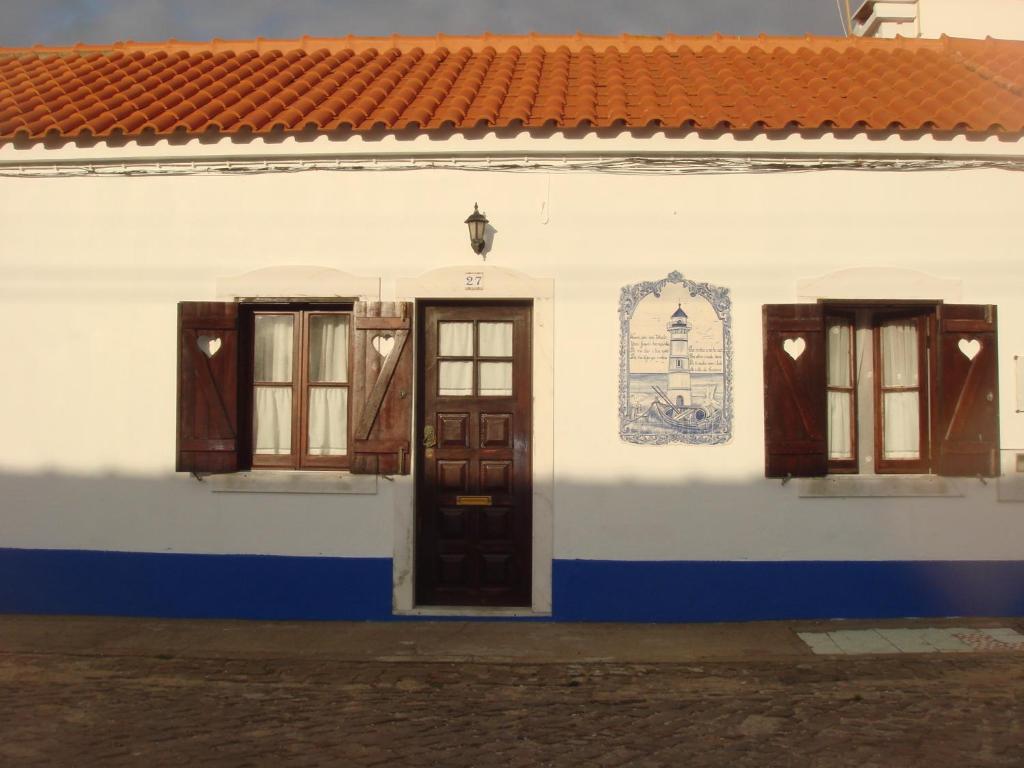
901, 417
495, 339
328, 348
496, 379
455, 339
840, 436
899, 353
839, 339
328, 421
456, 378
273, 348
272, 420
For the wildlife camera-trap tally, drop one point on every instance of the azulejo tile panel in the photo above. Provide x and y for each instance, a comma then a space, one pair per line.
675, 362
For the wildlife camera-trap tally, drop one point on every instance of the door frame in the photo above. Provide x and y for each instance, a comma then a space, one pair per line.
488, 284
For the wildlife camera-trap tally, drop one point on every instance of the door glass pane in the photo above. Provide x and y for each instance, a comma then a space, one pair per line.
901, 438
840, 438
496, 379
455, 339
273, 348
455, 378
495, 339
899, 353
328, 348
328, 421
839, 338
272, 420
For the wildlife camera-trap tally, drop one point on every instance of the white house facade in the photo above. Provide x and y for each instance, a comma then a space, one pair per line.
696, 373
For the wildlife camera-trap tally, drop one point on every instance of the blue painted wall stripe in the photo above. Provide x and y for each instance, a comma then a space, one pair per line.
276, 587
602, 590
194, 586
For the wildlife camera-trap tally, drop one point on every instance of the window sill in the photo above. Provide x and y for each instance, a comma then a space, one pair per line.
290, 481
875, 486
1010, 483
1010, 487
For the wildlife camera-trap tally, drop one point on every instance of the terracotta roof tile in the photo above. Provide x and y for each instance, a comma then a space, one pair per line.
462, 83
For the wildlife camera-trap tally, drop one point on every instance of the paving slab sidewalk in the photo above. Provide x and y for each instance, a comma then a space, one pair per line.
442, 641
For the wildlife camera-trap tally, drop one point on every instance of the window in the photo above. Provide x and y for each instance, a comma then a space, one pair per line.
878, 367
474, 358
880, 388
300, 388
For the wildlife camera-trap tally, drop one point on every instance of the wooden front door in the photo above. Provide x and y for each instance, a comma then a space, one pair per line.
474, 486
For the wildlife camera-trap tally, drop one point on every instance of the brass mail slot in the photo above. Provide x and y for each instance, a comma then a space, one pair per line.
473, 501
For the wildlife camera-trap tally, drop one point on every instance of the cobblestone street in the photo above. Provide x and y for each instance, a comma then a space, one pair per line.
71, 707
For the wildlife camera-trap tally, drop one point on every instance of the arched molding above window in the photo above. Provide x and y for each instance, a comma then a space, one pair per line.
298, 282
877, 283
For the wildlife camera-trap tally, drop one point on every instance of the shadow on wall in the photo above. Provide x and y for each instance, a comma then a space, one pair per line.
126, 546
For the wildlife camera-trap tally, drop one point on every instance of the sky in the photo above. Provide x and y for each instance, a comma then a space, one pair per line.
64, 22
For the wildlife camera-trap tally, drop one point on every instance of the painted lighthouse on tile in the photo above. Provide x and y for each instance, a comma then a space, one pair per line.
675, 363
679, 390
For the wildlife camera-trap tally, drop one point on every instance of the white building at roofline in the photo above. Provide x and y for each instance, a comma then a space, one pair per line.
257, 369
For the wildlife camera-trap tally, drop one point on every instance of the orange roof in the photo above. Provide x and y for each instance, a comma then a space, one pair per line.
462, 83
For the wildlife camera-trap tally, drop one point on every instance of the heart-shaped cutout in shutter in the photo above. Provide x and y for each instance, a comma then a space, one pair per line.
383, 345
794, 347
209, 345
970, 347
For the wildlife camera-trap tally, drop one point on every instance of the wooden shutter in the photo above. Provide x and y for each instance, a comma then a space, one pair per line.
208, 387
795, 420
967, 434
381, 388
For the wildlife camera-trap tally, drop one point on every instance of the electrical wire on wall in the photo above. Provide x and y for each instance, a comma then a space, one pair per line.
623, 165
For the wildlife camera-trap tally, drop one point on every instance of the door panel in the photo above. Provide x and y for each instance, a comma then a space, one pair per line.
474, 489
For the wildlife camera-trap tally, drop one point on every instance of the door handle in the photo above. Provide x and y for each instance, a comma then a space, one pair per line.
429, 437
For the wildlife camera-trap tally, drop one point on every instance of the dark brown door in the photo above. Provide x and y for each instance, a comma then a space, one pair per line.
473, 505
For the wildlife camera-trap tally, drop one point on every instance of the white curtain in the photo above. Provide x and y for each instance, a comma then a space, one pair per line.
496, 379
328, 348
273, 348
272, 416
900, 410
840, 404
839, 338
899, 353
272, 420
495, 339
455, 339
902, 426
840, 443
328, 421
455, 378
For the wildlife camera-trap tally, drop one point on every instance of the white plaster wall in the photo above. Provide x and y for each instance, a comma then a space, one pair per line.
978, 19
91, 269
972, 18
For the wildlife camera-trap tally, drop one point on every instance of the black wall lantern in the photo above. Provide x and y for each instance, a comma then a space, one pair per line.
477, 225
